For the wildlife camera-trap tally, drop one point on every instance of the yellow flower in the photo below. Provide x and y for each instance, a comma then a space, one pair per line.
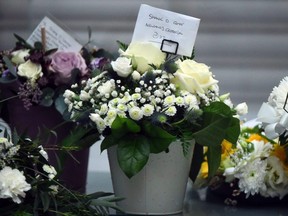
204, 170
256, 137
280, 152
226, 149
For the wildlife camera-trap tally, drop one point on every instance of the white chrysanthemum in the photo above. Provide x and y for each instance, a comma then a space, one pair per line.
148, 110
261, 149
251, 177
136, 96
13, 184
171, 111
278, 95
112, 113
50, 170
122, 107
169, 100
69, 94
179, 101
241, 109
135, 113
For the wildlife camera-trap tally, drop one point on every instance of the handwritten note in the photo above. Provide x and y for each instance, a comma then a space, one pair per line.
56, 37
154, 25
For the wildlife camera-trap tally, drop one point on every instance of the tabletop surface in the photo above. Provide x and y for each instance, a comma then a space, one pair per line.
199, 202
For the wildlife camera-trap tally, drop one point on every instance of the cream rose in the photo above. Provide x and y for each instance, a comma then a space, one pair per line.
30, 70
122, 66
193, 77
18, 56
143, 54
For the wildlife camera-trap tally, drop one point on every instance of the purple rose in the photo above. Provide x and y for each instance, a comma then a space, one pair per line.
62, 63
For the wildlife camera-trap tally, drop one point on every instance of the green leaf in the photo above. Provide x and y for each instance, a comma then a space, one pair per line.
10, 66
214, 159
45, 199
122, 126
197, 160
133, 153
158, 138
213, 134
122, 45
232, 133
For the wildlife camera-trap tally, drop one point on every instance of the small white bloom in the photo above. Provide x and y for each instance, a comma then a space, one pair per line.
135, 113
136, 96
103, 109
148, 110
18, 56
50, 170
98, 121
241, 109
169, 100
122, 107
84, 96
106, 88
171, 111
179, 101
13, 184
43, 152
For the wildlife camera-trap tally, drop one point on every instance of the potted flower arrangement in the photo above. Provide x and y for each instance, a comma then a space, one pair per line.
32, 84
255, 170
141, 104
29, 184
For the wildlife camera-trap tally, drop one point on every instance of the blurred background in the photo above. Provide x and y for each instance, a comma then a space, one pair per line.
244, 42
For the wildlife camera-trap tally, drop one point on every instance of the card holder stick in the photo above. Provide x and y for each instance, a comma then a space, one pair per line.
43, 37
169, 46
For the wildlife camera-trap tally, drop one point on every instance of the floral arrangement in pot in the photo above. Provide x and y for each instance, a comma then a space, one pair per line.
256, 168
145, 100
32, 82
29, 184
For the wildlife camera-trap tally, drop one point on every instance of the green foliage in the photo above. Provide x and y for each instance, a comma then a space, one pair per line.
218, 123
135, 142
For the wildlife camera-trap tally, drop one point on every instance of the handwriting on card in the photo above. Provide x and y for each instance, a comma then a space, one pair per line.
154, 25
56, 37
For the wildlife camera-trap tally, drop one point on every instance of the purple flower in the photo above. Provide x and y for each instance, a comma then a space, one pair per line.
98, 63
62, 63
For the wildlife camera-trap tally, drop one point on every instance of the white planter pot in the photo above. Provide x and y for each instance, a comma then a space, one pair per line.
158, 189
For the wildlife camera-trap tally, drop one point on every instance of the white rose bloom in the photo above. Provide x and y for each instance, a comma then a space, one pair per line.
122, 66
13, 184
135, 113
30, 70
144, 54
136, 75
84, 96
18, 56
241, 109
193, 76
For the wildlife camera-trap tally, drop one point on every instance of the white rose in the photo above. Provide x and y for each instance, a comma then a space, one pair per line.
18, 56
241, 109
30, 70
122, 66
13, 184
143, 55
193, 77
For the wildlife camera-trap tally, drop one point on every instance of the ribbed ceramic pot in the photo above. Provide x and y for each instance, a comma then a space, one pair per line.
159, 188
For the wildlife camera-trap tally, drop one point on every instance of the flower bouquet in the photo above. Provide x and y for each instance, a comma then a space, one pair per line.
29, 184
146, 100
32, 84
256, 168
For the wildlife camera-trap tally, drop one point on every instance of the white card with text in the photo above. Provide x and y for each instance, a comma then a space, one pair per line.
56, 37
155, 25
